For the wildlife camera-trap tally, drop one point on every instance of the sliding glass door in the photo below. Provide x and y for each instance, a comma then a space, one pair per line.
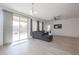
23, 28
15, 28
19, 28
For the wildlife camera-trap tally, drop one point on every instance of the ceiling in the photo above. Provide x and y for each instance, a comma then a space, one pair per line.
47, 10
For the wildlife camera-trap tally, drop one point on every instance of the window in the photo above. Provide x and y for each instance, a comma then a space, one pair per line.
48, 28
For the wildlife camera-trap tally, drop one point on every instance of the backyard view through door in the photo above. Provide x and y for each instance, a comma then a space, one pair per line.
19, 28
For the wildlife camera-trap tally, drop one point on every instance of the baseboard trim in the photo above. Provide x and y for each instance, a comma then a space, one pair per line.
64, 36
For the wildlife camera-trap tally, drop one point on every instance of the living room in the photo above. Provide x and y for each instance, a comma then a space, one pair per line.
39, 28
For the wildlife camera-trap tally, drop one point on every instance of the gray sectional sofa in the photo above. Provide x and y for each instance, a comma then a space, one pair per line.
42, 36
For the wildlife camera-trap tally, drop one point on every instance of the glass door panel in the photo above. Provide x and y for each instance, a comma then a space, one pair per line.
23, 28
15, 28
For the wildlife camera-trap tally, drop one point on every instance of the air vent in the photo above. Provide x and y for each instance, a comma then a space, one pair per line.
57, 18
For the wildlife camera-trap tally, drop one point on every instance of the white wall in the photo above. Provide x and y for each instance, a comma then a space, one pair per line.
7, 27
1, 27
70, 27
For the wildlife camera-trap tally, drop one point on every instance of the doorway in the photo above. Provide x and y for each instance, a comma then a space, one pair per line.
19, 28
